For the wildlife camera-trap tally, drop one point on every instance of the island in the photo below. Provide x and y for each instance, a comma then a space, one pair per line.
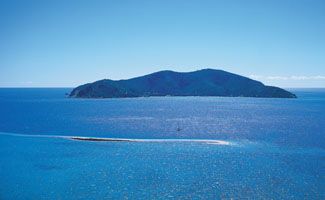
205, 82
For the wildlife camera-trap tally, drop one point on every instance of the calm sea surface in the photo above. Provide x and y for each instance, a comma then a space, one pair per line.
276, 147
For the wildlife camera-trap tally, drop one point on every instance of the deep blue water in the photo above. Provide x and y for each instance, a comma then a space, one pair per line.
276, 151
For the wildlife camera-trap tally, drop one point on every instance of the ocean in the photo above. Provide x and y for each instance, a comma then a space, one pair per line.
177, 148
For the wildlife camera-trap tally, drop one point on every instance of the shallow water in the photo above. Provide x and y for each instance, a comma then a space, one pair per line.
276, 147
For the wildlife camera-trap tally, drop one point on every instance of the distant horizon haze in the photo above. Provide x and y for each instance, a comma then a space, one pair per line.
267, 80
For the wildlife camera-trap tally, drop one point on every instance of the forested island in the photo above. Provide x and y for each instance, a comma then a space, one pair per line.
205, 82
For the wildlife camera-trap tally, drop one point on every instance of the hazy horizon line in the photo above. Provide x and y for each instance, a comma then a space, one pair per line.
68, 87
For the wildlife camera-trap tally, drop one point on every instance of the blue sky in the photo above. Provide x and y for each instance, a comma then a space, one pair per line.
67, 43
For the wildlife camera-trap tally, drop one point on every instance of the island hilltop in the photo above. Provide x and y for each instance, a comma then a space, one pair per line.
205, 82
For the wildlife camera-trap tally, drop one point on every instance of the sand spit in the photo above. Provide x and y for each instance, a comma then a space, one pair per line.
101, 139
96, 139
